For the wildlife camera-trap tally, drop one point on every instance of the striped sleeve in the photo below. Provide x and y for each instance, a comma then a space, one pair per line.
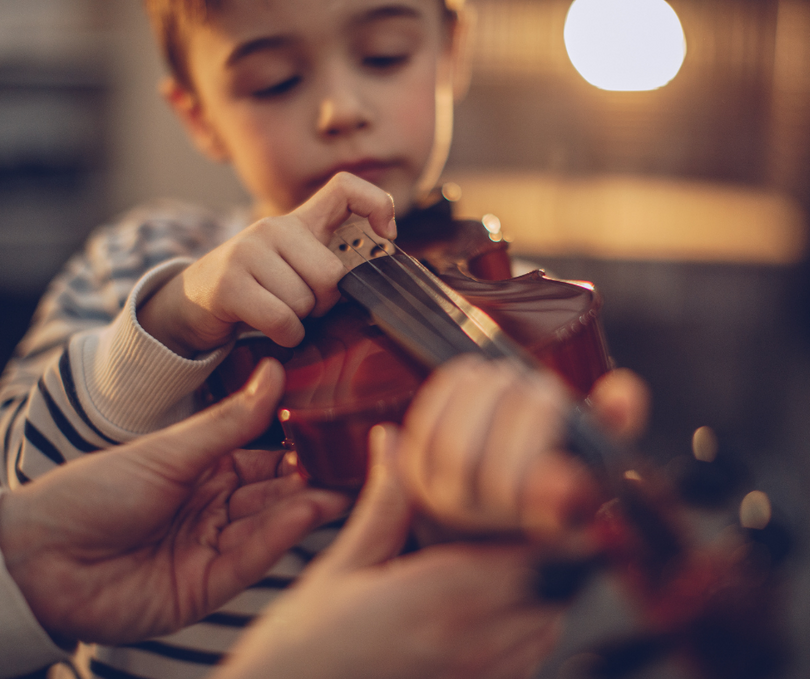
86, 376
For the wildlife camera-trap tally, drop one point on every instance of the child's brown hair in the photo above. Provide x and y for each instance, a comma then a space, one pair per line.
170, 20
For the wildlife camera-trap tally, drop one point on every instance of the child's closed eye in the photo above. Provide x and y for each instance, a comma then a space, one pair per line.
277, 89
386, 61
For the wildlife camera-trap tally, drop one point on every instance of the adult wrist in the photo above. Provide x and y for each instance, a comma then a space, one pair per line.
25, 646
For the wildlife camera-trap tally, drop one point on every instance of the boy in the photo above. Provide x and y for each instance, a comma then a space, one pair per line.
292, 94
324, 108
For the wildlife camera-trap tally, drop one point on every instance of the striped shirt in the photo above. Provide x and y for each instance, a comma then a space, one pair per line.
86, 377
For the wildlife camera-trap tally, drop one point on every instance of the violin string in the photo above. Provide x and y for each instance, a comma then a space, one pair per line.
465, 316
458, 315
392, 282
584, 439
428, 315
453, 304
377, 294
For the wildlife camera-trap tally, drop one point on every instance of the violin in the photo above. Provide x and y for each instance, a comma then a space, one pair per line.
447, 287
351, 373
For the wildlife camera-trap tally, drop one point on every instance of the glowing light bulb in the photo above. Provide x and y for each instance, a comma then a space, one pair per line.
625, 45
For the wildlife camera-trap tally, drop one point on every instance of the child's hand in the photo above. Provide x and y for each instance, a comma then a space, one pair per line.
483, 447
269, 276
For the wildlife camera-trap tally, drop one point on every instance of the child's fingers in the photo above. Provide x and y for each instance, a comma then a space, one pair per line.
263, 310
186, 449
295, 267
315, 268
346, 194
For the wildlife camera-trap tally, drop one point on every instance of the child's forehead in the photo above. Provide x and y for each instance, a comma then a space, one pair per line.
238, 20
312, 8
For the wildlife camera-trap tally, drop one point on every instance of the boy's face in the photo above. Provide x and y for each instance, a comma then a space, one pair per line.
292, 92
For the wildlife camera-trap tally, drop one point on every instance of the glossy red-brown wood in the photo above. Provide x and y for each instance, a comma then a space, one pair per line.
348, 376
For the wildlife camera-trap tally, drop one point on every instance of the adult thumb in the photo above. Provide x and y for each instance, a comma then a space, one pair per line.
379, 524
186, 449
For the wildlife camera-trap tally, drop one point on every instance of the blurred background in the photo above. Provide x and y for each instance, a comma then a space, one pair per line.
686, 205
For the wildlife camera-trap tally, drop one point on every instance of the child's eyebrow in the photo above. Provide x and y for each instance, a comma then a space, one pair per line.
277, 41
270, 42
247, 48
388, 11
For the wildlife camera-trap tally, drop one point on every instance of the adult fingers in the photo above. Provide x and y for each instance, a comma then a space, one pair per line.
250, 546
426, 416
472, 433
461, 445
254, 465
559, 496
621, 401
346, 194
528, 644
184, 450
379, 523
256, 497
482, 449
526, 433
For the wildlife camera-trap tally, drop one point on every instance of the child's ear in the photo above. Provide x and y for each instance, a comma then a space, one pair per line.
462, 38
186, 105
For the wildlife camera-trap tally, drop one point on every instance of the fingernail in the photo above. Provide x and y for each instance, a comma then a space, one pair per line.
258, 377
377, 440
392, 229
381, 444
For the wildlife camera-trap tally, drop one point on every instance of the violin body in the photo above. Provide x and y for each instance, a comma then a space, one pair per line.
711, 606
348, 375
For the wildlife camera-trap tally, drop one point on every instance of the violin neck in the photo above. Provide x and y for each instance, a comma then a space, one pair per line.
421, 313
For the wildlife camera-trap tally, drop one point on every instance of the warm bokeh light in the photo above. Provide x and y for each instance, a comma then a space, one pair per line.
755, 510
704, 444
491, 223
625, 45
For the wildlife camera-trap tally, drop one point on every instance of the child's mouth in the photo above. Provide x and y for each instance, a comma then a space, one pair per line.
371, 170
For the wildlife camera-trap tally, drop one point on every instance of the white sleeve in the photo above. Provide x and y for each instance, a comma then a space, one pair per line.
129, 383
68, 388
24, 645
110, 385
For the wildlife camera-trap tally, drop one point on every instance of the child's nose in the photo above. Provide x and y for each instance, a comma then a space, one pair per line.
342, 110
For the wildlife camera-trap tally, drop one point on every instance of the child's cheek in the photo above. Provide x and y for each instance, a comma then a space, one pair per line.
416, 117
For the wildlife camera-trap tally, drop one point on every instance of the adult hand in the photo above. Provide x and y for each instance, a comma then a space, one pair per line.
269, 276
150, 536
483, 447
451, 610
